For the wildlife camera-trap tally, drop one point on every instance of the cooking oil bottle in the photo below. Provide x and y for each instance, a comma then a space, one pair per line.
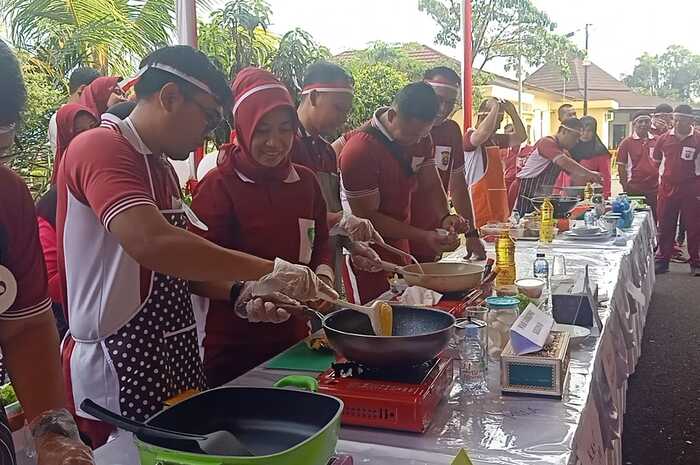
588, 192
547, 222
505, 259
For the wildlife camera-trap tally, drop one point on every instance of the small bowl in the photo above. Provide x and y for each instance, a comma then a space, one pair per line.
531, 287
506, 291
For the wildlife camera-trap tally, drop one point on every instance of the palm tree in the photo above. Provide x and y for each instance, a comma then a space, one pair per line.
108, 34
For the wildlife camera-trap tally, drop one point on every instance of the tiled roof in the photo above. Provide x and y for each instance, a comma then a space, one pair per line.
419, 52
601, 85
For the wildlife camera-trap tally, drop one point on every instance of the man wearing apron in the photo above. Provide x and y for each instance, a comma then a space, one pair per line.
543, 166
678, 152
449, 159
128, 263
381, 166
482, 160
28, 338
326, 102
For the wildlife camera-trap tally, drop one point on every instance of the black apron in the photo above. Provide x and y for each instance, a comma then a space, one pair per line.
533, 187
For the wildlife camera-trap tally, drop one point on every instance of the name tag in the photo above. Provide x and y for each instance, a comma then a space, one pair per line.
443, 155
8, 289
688, 153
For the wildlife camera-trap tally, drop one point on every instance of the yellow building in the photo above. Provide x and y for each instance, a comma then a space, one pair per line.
610, 101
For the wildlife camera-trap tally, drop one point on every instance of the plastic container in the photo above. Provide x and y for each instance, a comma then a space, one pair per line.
473, 358
503, 311
588, 192
505, 260
547, 222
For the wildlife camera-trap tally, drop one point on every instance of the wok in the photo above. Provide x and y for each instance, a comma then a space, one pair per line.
443, 277
562, 205
419, 335
281, 426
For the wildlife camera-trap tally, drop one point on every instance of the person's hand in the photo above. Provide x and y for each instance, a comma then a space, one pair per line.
267, 309
455, 224
593, 177
56, 449
364, 257
440, 242
475, 249
508, 107
295, 281
357, 229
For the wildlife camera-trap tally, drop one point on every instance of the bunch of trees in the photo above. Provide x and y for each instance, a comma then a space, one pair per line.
674, 74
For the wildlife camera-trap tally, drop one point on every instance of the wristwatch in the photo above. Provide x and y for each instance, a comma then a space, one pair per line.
235, 292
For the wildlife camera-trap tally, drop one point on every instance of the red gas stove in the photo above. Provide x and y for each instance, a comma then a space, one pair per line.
401, 399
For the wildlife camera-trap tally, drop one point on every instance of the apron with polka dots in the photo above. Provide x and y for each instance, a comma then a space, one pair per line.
156, 354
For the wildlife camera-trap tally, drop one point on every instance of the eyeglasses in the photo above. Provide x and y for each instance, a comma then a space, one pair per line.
213, 117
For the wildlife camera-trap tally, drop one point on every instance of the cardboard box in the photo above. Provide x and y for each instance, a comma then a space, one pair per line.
540, 373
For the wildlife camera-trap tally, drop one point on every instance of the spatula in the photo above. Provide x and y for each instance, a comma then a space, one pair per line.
215, 443
372, 312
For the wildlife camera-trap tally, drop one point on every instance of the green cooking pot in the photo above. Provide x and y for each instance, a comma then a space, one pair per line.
280, 426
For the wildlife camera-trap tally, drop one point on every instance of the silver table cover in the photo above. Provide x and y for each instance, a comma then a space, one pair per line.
583, 428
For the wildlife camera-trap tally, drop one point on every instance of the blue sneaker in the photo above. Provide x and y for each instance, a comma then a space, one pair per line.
661, 266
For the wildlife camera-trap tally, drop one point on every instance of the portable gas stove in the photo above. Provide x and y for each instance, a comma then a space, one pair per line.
401, 398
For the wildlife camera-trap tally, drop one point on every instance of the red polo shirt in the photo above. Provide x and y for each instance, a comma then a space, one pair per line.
20, 251
449, 159
276, 219
314, 152
635, 154
367, 166
680, 159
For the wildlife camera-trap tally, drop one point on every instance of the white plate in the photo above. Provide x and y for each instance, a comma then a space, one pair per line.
576, 333
586, 231
576, 237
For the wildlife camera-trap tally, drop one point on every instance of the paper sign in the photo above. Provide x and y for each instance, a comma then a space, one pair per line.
462, 458
529, 332
588, 445
636, 293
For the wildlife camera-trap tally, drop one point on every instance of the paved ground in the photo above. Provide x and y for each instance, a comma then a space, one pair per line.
662, 424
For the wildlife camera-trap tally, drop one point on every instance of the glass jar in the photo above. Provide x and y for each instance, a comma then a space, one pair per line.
503, 311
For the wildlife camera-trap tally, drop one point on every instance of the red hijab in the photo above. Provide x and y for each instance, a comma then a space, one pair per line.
256, 93
65, 125
96, 95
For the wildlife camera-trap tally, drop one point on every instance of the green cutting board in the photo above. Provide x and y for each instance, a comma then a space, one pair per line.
300, 358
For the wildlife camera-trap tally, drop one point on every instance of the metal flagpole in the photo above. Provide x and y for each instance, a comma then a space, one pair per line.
186, 18
467, 72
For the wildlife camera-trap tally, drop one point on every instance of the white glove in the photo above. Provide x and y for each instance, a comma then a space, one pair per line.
357, 229
263, 309
365, 258
295, 281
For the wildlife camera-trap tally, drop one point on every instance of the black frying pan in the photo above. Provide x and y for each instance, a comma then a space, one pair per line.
419, 335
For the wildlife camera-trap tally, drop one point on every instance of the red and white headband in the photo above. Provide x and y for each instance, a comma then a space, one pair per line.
8, 128
255, 90
341, 87
443, 85
127, 84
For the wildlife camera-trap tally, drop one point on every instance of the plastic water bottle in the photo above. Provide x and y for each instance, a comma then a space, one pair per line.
505, 259
473, 360
540, 269
589, 218
547, 222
